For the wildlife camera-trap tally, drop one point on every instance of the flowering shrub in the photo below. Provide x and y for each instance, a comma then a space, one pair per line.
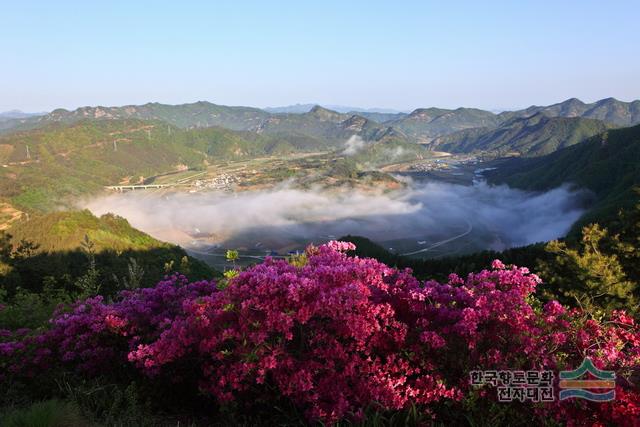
335, 334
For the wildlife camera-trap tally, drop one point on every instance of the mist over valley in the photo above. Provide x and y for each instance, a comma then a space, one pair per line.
422, 219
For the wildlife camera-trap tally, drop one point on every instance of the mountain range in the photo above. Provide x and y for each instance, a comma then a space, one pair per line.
47, 158
531, 136
609, 110
422, 125
17, 114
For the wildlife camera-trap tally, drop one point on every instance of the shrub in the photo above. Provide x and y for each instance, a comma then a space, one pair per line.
336, 336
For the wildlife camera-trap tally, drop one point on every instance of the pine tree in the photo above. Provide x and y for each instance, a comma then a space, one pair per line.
591, 274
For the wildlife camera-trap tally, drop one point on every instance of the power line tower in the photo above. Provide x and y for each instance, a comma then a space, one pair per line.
28, 154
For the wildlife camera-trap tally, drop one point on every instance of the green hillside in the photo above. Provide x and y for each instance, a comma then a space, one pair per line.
47, 167
62, 253
62, 231
424, 124
41, 168
389, 149
607, 164
532, 136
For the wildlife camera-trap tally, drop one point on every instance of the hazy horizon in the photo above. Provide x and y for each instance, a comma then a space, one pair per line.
374, 108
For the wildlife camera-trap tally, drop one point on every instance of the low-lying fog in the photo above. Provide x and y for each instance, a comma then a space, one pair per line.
430, 219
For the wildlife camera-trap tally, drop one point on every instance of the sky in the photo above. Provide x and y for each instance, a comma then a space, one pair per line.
391, 54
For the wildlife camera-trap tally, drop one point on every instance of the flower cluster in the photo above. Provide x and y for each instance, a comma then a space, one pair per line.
336, 334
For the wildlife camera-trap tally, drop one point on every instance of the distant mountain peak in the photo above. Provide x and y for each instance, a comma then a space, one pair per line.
324, 113
355, 123
610, 100
426, 114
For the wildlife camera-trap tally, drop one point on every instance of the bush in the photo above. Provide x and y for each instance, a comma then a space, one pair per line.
334, 336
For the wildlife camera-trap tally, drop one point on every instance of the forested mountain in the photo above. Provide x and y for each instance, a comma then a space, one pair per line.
607, 164
197, 114
609, 110
323, 124
530, 136
424, 124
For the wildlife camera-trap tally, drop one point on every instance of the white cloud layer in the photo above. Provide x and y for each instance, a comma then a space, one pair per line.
495, 217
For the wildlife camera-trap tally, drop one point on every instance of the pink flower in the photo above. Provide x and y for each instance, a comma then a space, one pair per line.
496, 264
340, 246
335, 337
554, 308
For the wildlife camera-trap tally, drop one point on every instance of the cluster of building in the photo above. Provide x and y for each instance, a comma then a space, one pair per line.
445, 163
221, 182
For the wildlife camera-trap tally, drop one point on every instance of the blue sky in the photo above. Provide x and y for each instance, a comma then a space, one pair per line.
395, 54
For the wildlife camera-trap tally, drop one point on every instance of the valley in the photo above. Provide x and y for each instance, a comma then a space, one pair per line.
275, 206
157, 154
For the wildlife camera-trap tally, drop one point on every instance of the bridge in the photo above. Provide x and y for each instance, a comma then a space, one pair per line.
141, 186
181, 182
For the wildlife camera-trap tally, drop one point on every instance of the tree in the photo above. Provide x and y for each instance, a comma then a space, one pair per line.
89, 283
5, 247
590, 274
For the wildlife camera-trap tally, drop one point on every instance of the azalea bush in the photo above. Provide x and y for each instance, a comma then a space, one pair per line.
335, 336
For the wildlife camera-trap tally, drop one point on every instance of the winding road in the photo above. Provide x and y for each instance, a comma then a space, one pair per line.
442, 242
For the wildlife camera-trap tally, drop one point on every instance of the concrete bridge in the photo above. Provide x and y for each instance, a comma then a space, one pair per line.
141, 186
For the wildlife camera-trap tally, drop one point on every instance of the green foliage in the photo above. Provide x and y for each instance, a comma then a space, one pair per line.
344, 168
591, 274
298, 260
232, 255
50, 413
530, 136
135, 272
58, 231
81, 255
112, 404
89, 283
6, 248
31, 309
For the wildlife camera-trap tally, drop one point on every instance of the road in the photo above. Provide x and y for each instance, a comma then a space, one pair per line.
441, 242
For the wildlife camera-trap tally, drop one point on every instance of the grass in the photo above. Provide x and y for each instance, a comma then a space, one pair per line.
49, 413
